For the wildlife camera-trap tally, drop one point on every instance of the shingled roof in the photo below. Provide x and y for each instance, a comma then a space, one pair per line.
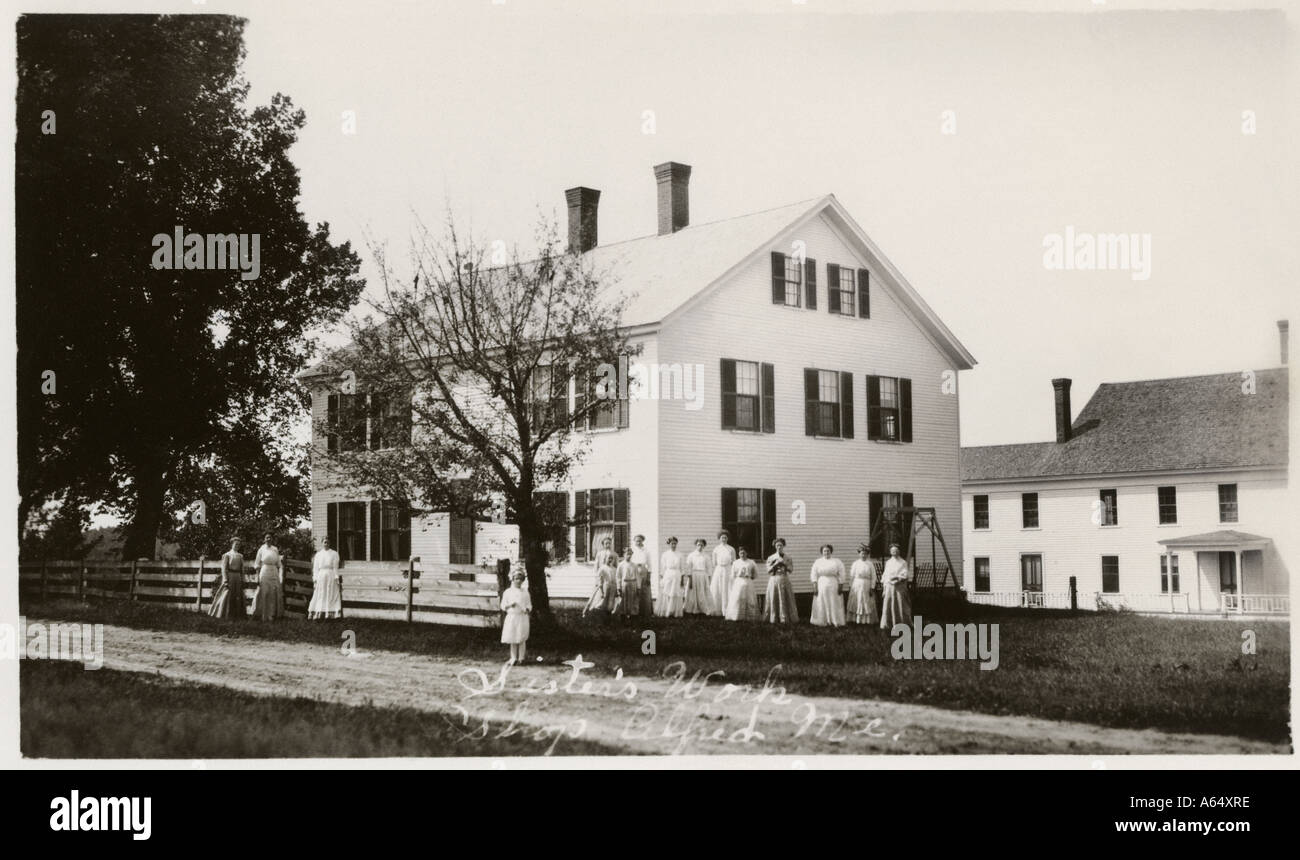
1155, 425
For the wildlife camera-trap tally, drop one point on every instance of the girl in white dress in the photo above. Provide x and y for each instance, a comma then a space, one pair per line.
672, 582
828, 574
516, 604
697, 600
629, 586
862, 593
268, 603
724, 556
780, 593
327, 587
742, 603
895, 602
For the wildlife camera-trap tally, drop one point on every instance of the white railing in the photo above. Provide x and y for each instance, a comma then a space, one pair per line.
1275, 604
1023, 599
1148, 602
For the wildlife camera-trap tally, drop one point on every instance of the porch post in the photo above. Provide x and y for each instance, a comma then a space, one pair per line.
1200, 607
1241, 581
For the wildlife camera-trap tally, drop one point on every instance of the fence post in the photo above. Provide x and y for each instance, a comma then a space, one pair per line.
410, 588
131, 598
1074, 596
198, 588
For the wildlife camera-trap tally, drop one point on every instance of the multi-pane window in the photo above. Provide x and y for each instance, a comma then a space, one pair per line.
347, 422
1110, 574
1029, 510
749, 516
1167, 501
390, 531
793, 282
828, 403
549, 396
982, 574
841, 291
611, 411
346, 528
1109, 508
981, 512
1168, 574
1227, 503
889, 408
357, 422
748, 396
600, 514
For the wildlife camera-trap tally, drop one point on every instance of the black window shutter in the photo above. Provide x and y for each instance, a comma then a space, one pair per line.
559, 395
728, 394
332, 524
376, 544
729, 509
580, 401
907, 525
905, 408
832, 288
579, 525
846, 405
809, 402
332, 423
624, 404
769, 523
778, 278
864, 293
769, 399
810, 283
876, 501
873, 407
622, 507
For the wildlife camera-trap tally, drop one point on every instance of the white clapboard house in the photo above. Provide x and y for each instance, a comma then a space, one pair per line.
802, 384
1163, 495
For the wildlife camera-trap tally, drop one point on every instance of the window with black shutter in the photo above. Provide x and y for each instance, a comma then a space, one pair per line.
599, 514
787, 280
549, 398
347, 422
889, 408
553, 515
828, 403
346, 528
390, 531
390, 420
748, 396
840, 290
611, 412
749, 517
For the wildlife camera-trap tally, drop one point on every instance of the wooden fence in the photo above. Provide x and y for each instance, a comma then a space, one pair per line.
368, 591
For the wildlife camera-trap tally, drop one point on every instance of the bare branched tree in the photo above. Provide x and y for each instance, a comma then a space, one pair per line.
463, 381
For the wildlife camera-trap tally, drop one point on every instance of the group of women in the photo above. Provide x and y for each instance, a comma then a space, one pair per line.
268, 602
721, 582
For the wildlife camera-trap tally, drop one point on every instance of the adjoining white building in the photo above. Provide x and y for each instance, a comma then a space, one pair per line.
802, 382
1163, 495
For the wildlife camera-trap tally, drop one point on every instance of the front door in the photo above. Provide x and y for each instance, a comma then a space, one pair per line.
1031, 579
1227, 573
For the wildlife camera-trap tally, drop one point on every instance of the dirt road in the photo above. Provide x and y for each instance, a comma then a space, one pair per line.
687, 711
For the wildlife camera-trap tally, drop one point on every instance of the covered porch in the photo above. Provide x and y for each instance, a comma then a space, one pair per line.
1228, 573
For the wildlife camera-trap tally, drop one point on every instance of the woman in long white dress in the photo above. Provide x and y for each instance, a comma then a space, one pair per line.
672, 584
698, 600
828, 574
724, 556
742, 603
780, 593
268, 603
861, 607
327, 587
516, 604
895, 601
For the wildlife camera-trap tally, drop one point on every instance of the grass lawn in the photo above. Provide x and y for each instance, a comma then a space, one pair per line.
67, 712
1109, 669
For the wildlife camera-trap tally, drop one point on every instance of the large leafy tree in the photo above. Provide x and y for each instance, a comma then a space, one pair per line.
485, 356
129, 126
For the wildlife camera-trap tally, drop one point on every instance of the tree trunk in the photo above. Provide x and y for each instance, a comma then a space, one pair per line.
142, 530
535, 559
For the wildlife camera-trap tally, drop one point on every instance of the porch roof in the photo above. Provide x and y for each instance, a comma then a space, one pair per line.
1225, 539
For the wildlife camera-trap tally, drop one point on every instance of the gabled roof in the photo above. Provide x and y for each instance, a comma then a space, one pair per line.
667, 273
1155, 425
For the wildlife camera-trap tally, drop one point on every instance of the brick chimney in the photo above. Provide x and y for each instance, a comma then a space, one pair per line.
674, 201
1062, 389
1282, 332
582, 217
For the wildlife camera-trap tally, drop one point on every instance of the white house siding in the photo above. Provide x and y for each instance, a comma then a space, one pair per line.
832, 477
1072, 544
